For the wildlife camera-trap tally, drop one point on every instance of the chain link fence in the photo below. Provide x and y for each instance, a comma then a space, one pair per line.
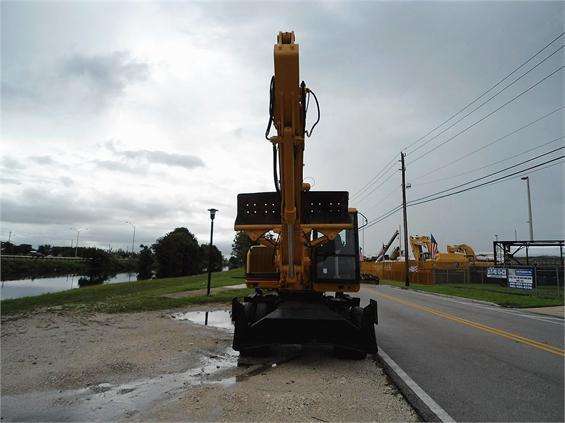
547, 281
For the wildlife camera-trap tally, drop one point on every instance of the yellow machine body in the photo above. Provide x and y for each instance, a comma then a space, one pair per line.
290, 241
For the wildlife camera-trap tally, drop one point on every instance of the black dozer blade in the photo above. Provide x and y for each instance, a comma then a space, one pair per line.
262, 321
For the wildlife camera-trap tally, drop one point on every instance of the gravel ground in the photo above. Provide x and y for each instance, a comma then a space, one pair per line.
149, 366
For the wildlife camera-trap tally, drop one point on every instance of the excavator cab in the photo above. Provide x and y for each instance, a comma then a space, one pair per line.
337, 261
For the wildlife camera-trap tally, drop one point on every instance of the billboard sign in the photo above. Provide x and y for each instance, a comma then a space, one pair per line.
521, 278
496, 272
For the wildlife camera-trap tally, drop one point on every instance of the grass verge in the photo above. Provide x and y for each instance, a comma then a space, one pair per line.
132, 296
506, 297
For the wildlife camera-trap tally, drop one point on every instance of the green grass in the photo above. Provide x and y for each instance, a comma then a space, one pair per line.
131, 296
506, 297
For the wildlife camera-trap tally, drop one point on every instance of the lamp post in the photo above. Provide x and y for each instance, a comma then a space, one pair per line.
212, 215
78, 233
133, 237
527, 179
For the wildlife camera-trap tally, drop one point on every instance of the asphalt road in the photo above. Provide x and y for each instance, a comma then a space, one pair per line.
478, 362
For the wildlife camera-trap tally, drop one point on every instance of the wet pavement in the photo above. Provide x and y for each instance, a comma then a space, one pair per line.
106, 401
216, 318
110, 401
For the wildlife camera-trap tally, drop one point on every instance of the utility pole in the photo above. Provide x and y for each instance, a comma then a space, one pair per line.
133, 238
406, 262
212, 215
530, 221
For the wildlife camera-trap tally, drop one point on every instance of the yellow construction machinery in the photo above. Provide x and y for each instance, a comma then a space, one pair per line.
308, 240
426, 258
464, 249
418, 242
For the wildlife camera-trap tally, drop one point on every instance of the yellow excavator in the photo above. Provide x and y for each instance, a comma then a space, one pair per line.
308, 243
464, 249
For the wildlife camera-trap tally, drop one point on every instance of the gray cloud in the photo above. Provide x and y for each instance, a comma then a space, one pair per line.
70, 85
43, 160
11, 181
118, 166
66, 181
109, 73
10, 163
186, 161
161, 157
40, 207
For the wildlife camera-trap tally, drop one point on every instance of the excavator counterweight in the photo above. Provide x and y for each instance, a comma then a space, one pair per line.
308, 242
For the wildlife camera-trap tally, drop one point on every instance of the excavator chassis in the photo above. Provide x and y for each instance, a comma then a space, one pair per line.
263, 321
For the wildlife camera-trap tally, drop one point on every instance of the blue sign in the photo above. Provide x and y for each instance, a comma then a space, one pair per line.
521, 278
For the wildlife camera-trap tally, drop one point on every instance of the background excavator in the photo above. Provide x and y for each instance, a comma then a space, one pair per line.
308, 241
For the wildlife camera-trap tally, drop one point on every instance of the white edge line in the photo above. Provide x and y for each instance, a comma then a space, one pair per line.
496, 308
426, 399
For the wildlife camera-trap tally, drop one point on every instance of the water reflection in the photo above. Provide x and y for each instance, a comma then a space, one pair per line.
215, 318
31, 287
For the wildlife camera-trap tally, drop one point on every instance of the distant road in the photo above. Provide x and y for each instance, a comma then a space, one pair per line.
478, 362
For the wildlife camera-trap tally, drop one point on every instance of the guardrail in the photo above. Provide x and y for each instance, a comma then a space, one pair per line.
23, 257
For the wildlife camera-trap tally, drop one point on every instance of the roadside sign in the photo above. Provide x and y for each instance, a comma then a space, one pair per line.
521, 278
496, 272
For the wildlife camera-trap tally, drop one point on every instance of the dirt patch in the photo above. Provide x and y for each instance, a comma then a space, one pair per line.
149, 366
557, 311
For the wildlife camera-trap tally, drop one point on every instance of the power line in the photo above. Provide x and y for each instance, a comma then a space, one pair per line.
422, 200
387, 195
490, 164
376, 177
487, 91
387, 166
367, 194
417, 201
492, 174
464, 156
531, 87
384, 216
486, 101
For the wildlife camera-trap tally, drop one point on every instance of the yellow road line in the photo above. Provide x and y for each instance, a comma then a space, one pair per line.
480, 326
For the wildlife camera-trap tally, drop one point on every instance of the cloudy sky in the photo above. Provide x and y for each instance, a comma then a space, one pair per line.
154, 112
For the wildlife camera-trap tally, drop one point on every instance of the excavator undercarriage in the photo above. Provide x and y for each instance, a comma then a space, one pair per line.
307, 257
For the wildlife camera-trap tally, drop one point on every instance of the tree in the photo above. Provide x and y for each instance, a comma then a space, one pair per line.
145, 263
177, 254
217, 258
44, 249
239, 249
234, 263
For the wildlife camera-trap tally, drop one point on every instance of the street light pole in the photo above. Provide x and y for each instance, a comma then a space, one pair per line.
530, 221
133, 237
212, 215
78, 233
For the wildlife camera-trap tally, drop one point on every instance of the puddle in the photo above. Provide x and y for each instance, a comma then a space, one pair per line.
107, 401
217, 318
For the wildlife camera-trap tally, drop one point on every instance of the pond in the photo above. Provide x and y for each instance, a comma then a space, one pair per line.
31, 287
